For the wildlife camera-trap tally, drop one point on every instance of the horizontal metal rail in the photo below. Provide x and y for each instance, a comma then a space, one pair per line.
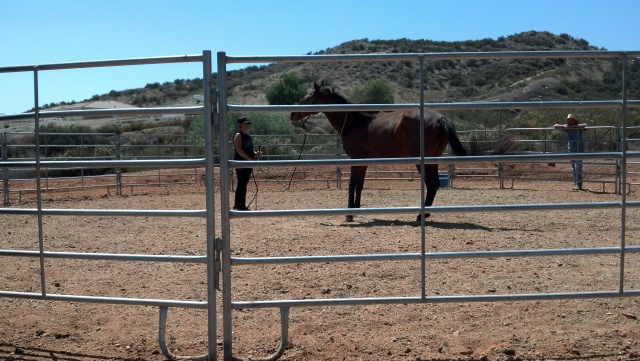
103, 63
244, 261
105, 212
434, 160
110, 300
104, 256
106, 163
591, 54
432, 209
107, 112
436, 106
432, 299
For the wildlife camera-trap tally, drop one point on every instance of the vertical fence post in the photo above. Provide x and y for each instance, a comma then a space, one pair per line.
5, 171
36, 133
209, 118
623, 165
338, 168
619, 147
82, 157
118, 152
158, 156
46, 170
225, 176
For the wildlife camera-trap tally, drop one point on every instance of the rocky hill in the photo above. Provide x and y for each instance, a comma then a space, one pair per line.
446, 80
465, 80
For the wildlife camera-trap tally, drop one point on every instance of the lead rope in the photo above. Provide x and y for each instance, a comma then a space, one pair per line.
255, 195
304, 141
344, 124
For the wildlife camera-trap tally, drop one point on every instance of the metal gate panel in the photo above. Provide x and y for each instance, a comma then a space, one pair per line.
284, 305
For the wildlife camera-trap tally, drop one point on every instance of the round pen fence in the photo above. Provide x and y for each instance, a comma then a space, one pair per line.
611, 159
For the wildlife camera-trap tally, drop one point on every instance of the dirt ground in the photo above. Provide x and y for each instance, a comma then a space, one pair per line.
583, 329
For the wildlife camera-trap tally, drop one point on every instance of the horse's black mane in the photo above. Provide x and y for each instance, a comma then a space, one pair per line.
365, 114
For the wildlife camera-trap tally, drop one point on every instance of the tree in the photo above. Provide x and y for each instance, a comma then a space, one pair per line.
375, 91
286, 91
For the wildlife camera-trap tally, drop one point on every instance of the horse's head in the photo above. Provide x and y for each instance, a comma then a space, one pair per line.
319, 95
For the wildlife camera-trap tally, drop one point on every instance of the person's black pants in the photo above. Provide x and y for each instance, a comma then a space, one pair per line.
243, 175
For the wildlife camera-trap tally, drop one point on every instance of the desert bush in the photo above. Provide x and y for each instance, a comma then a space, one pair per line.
286, 91
375, 91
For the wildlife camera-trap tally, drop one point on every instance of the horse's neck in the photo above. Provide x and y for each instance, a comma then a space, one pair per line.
342, 121
337, 120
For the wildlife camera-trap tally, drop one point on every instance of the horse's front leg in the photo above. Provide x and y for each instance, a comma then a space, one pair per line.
356, 183
432, 182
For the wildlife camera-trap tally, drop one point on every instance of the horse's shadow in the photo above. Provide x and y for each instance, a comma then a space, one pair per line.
433, 224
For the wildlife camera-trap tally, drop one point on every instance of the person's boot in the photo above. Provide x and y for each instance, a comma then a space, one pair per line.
241, 207
239, 203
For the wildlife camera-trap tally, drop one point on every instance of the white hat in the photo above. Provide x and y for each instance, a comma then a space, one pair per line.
571, 116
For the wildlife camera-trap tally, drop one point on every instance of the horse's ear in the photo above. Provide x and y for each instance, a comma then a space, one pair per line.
317, 87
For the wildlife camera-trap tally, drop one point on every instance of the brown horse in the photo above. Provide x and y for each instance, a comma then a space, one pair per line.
385, 135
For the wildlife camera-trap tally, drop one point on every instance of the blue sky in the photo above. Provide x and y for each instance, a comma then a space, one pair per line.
44, 32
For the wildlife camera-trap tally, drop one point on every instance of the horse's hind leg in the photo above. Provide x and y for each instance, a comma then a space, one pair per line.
432, 182
356, 183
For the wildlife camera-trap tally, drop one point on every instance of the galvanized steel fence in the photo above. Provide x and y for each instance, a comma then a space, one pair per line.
39, 164
218, 257
622, 156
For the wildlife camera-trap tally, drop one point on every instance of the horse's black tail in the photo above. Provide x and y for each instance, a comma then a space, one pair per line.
450, 131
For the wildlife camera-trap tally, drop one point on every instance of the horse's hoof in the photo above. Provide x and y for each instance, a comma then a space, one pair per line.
348, 218
419, 218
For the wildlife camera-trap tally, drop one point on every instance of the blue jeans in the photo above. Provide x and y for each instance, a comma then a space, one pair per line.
576, 169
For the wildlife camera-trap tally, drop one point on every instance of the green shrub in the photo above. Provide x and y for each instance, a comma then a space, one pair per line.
375, 91
286, 91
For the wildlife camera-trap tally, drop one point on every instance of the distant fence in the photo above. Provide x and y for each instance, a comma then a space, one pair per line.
119, 181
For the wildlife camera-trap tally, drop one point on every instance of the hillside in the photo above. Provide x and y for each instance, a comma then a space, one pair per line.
449, 80
446, 81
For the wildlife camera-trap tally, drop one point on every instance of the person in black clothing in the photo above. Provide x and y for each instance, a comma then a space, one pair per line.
243, 144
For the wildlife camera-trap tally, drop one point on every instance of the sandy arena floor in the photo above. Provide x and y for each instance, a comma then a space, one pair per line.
586, 329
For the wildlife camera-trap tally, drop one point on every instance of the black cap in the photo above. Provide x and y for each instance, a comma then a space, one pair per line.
243, 120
